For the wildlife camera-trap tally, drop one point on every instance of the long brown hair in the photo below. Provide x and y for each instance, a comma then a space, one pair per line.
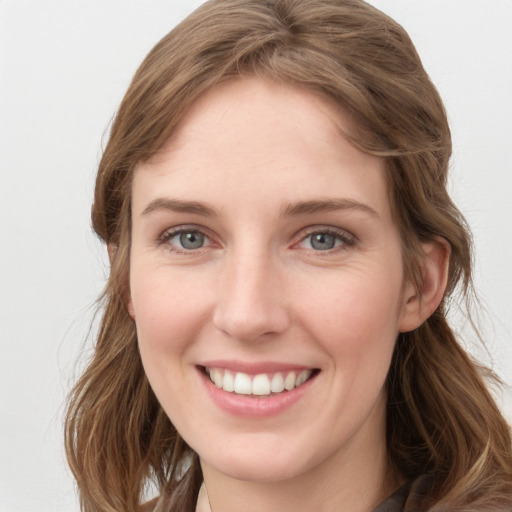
441, 418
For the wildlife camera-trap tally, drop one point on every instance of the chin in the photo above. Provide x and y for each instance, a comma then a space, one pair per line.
259, 460
260, 470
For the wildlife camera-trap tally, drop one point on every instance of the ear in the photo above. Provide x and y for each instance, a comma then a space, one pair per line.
418, 305
112, 252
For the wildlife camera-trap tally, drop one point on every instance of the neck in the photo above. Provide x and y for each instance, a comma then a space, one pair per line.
357, 478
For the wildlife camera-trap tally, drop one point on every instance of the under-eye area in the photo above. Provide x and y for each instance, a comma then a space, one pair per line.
262, 384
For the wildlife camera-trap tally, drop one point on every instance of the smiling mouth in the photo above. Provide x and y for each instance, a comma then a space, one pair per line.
260, 385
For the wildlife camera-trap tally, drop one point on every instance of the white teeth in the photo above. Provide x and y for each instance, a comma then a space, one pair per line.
243, 384
289, 382
229, 382
302, 377
262, 384
217, 378
277, 384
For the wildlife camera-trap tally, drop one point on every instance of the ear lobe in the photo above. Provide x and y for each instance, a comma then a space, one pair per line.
112, 253
131, 311
420, 304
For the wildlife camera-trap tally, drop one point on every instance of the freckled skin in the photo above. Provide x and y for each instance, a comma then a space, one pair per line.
257, 289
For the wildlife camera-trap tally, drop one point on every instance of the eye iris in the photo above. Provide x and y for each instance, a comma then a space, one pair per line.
191, 240
323, 241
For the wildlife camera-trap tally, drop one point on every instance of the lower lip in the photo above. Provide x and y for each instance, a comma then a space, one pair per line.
250, 406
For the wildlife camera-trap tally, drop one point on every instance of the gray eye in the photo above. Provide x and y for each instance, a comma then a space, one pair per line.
191, 240
323, 241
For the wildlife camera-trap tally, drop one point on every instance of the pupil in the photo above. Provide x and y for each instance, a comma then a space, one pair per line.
191, 240
323, 241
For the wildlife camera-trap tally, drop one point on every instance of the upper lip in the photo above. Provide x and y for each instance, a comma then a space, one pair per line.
254, 368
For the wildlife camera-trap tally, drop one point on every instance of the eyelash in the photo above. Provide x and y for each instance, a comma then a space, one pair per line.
168, 235
347, 240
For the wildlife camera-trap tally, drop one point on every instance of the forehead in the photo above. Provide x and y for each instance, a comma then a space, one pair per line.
249, 131
249, 102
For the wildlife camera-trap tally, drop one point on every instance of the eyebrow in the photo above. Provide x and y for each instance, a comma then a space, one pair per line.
329, 205
287, 210
178, 205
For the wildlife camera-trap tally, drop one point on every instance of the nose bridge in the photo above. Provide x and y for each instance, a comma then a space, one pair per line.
250, 298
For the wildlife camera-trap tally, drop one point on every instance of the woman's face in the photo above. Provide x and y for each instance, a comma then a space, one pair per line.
264, 253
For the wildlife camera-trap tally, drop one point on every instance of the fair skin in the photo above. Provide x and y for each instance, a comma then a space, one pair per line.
263, 244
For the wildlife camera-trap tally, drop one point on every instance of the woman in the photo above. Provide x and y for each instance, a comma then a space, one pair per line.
283, 252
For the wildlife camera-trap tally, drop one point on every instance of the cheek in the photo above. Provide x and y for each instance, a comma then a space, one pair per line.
356, 318
167, 310
166, 322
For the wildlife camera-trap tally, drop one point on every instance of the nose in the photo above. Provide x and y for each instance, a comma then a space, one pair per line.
252, 300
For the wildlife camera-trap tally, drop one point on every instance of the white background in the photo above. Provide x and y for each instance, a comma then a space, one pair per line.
64, 66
